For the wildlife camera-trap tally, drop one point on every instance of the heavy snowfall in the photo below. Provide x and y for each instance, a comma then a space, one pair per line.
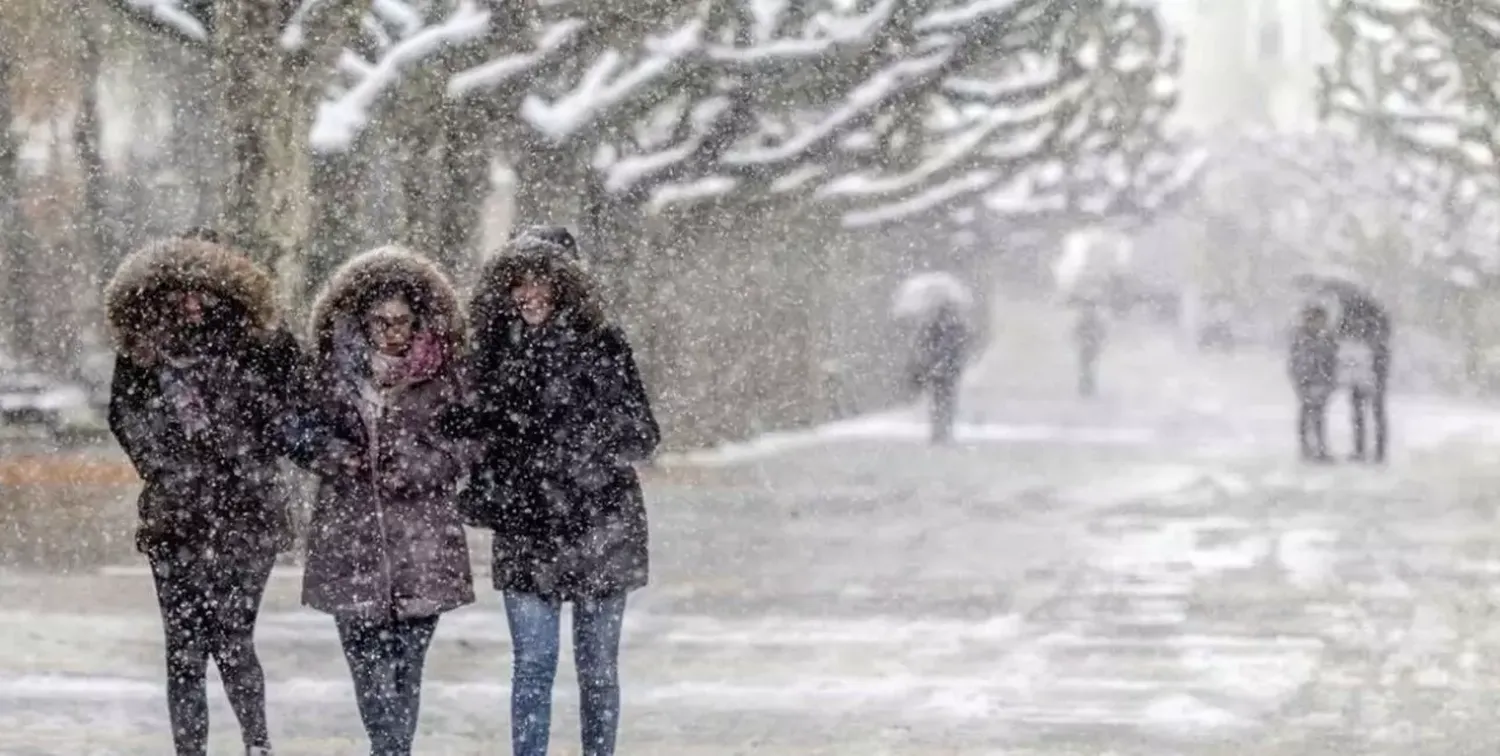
845, 376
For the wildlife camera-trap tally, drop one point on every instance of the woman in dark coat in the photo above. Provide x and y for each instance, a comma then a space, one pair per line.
561, 414
202, 386
1312, 364
386, 552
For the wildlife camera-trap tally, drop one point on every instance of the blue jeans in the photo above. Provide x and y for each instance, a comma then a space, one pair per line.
535, 629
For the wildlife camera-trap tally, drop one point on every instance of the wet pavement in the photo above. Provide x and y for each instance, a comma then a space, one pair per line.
1142, 605
1077, 591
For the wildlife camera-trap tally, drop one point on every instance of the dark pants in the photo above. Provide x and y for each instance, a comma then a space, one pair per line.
535, 632
944, 407
386, 659
1371, 401
1312, 437
208, 610
1088, 371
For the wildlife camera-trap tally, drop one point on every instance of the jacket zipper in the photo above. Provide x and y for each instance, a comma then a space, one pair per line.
377, 414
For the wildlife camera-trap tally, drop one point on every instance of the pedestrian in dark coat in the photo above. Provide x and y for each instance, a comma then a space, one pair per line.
1313, 365
561, 414
386, 552
1365, 322
942, 350
203, 386
1088, 335
1360, 320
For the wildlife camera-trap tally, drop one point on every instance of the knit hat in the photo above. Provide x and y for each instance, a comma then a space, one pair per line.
545, 240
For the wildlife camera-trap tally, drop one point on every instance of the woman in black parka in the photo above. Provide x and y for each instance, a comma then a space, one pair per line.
560, 414
205, 382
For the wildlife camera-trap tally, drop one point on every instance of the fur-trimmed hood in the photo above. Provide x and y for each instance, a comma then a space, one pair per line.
433, 296
491, 310
133, 299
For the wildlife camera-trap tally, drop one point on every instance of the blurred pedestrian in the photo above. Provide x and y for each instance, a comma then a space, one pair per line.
1089, 332
942, 350
1312, 366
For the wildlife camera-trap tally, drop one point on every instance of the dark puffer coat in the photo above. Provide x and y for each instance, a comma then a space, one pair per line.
385, 540
561, 414
942, 349
201, 410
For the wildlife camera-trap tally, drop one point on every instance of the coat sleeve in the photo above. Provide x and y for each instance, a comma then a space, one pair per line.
129, 419
624, 427
420, 456
288, 374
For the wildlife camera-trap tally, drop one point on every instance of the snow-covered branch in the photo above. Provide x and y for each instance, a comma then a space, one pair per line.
509, 69
166, 16
1415, 84
609, 82
1060, 125
341, 119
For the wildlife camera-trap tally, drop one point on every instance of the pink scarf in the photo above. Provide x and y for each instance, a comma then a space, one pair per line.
422, 361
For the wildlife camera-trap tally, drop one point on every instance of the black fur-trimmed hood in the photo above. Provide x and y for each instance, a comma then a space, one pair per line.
491, 310
433, 295
133, 299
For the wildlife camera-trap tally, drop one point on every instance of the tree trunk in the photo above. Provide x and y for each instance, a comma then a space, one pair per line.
196, 146
96, 238
15, 238
338, 222
464, 185
266, 99
95, 243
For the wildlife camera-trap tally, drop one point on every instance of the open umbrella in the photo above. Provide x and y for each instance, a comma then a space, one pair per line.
925, 293
1353, 307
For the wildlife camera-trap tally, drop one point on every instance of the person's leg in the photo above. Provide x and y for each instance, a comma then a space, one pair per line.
1358, 402
1317, 412
944, 401
1382, 364
1087, 381
1304, 427
179, 593
368, 651
534, 635
238, 591
596, 653
411, 639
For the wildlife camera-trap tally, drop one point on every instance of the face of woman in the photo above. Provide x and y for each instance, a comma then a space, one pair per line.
534, 299
390, 325
190, 306
194, 319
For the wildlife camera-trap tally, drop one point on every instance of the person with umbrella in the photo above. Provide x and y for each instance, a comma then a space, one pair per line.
1363, 328
940, 304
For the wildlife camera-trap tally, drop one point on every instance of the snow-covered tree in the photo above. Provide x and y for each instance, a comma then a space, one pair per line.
1001, 98
1400, 80
1125, 162
270, 65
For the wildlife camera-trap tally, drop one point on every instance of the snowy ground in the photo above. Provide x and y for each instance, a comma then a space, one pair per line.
1148, 573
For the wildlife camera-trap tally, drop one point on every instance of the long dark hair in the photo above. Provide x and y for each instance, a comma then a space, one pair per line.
576, 307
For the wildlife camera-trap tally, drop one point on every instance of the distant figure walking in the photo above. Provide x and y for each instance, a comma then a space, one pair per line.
1313, 367
1089, 333
942, 349
1362, 328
